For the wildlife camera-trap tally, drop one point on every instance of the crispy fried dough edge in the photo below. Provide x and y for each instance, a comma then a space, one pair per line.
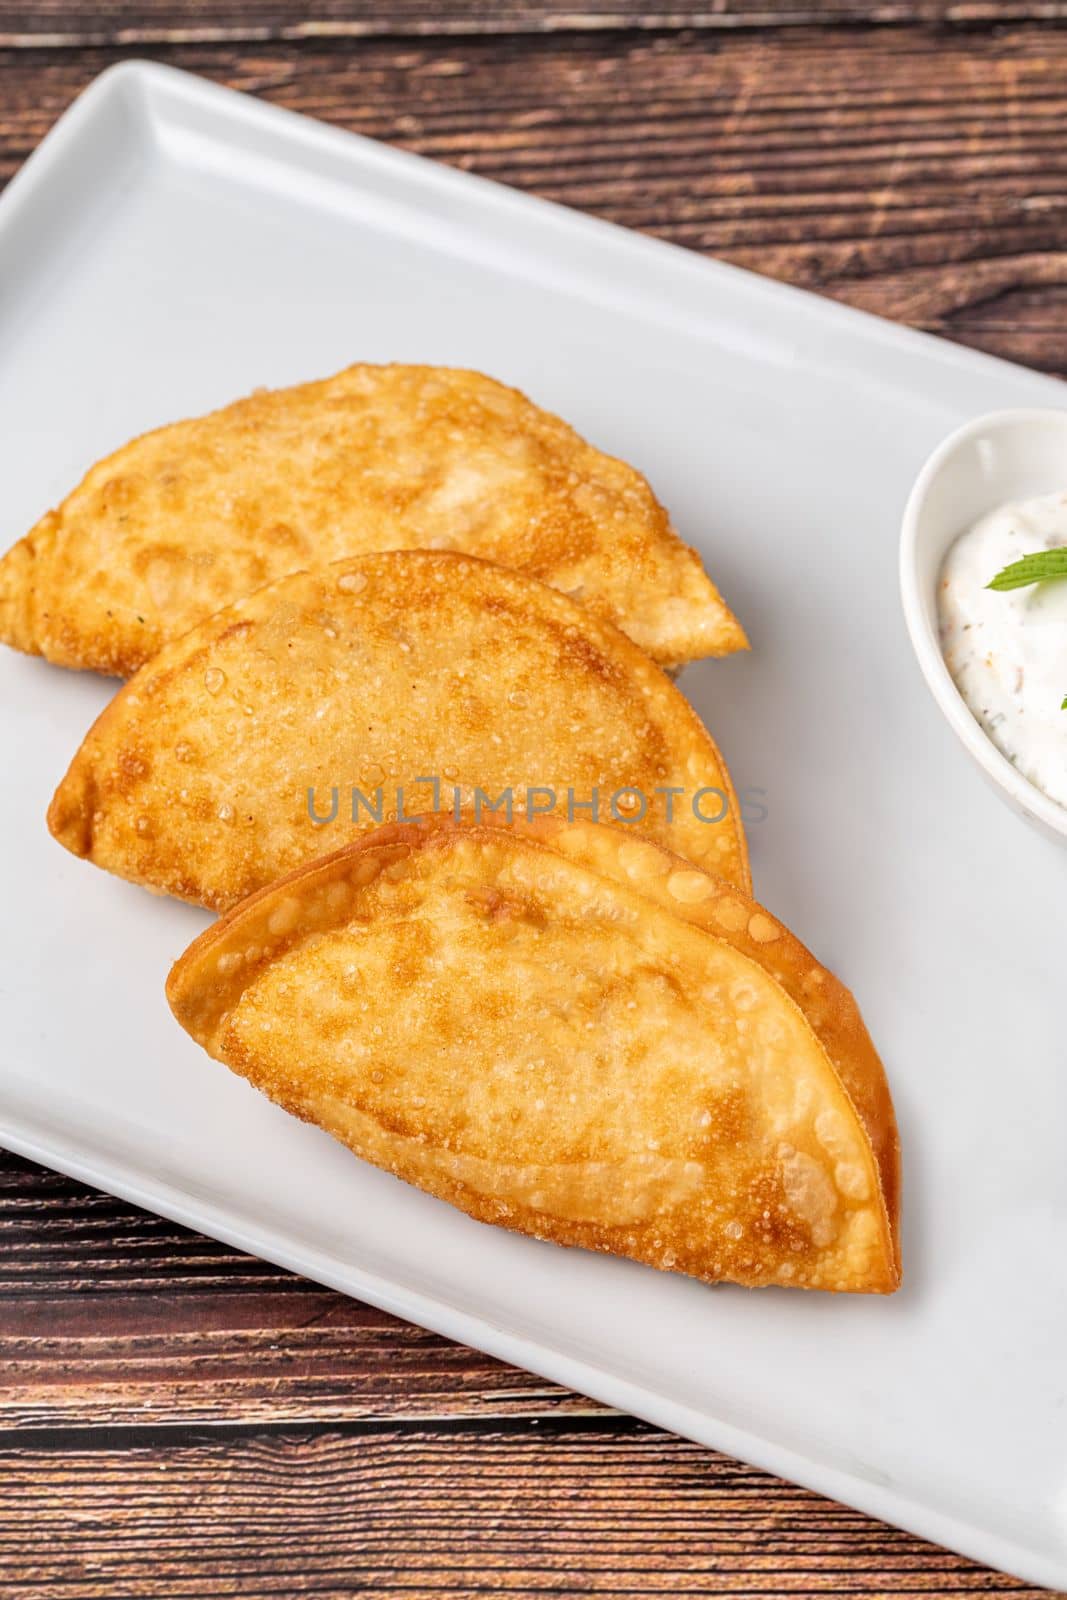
836, 1021
729, 636
60, 636
201, 999
27, 625
126, 649
831, 1011
70, 813
17, 591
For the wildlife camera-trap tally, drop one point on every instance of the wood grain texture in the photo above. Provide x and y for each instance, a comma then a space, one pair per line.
112, 1317
69, 24
909, 173
611, 1509
179, 1420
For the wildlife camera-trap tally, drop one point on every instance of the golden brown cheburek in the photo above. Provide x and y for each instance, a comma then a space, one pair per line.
185, 520
548, 1047
724, 911
380, 674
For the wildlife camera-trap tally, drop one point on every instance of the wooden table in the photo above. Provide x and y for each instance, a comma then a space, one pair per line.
179, 1420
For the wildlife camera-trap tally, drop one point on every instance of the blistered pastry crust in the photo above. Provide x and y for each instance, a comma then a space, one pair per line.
550, 1049
183, 521
378, 674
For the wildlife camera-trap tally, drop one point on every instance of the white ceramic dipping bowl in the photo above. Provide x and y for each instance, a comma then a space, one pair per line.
1005, 455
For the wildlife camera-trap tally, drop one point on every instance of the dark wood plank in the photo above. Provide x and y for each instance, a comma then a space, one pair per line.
614, 1509
111, 1317
918, 176
307, 1357
59, 1238
67, 24
178, 1420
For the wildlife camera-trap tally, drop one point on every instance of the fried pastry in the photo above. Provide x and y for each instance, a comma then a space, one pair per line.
724, 911
324, 703
550, 1049
185, 520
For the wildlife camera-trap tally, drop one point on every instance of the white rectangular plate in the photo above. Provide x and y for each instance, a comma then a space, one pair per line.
173, 245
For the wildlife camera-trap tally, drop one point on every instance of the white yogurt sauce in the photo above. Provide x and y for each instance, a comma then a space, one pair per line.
1007, 650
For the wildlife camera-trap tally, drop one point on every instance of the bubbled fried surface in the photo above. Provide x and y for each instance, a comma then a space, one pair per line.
548, 1050
185, 520
373, 674
728, 914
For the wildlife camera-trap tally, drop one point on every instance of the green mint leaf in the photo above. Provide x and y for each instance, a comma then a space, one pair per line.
1032, 569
